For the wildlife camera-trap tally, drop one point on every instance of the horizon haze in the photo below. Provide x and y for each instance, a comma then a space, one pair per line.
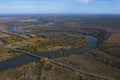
60, 7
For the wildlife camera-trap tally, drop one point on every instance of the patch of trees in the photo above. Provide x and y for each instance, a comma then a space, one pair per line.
57, 41
12, 39
7, 54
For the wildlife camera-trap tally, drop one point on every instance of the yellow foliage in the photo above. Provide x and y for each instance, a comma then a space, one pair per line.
32, 35
32, 44
44, 60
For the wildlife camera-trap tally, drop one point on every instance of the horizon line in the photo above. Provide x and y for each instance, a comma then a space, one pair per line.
57, 13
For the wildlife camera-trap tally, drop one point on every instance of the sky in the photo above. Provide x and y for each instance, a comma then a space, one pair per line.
60, 6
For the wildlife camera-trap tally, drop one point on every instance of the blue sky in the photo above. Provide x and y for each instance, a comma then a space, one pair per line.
60, 6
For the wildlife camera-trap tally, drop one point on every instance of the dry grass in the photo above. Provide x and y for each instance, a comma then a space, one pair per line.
114, 39
92, 62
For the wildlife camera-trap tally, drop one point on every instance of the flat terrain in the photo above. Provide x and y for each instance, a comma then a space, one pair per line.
114, 38
28, 20
54, 42
93, 62
102, 61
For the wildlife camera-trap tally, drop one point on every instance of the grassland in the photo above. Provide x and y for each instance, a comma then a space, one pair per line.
105, 60
6, 54
11, 42
57, 41
95, 61
39, 43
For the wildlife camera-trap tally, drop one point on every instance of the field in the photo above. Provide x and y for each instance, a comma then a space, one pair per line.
114, 39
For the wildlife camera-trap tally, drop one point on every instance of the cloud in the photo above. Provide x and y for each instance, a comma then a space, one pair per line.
84, 1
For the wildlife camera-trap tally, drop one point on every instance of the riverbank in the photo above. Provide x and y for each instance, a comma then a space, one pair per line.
83, 62
92, 43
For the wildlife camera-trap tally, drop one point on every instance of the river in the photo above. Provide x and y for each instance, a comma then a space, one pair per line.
23, 59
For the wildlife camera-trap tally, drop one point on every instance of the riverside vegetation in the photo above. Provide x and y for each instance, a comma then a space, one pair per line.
57, 41
43, 43
104, 60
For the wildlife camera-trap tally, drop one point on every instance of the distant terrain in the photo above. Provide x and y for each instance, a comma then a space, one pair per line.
44, 33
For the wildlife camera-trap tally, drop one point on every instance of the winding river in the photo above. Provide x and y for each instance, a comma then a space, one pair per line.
24, 59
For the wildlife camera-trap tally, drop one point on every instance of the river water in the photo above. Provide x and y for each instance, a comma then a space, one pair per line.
23, 59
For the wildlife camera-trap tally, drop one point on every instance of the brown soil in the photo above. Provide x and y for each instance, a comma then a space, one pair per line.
114, 38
